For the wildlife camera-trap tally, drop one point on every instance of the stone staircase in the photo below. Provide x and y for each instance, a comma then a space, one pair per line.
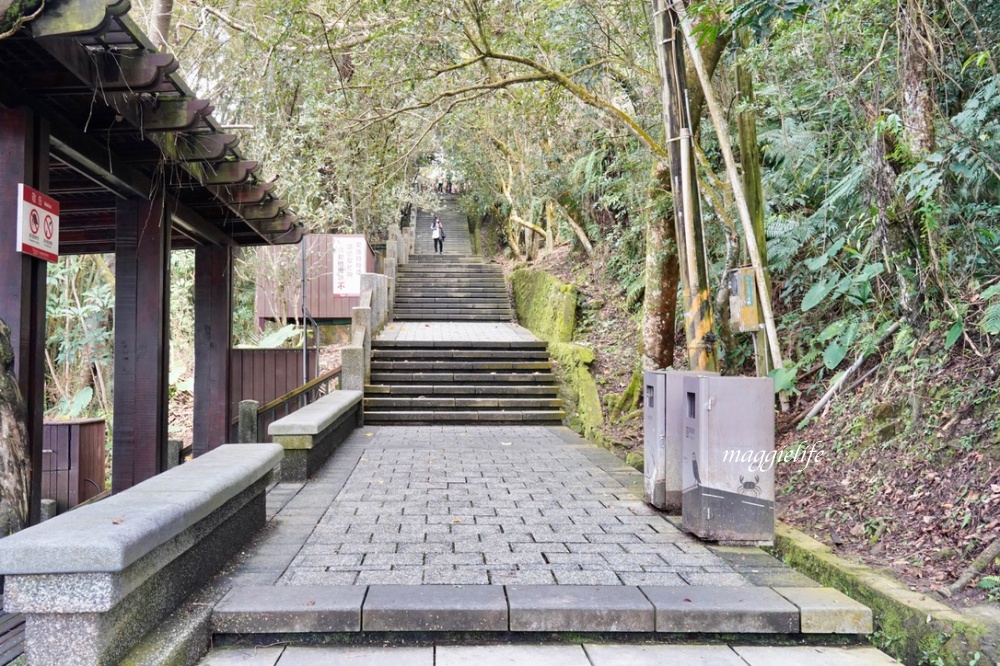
450, 288
465, 376
462, 382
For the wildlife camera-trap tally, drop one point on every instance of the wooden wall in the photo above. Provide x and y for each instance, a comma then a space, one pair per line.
281, 265
72, 461
265, 374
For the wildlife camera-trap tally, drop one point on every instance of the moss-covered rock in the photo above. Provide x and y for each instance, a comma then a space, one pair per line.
577, 387
547, 307
910, 626
545, 304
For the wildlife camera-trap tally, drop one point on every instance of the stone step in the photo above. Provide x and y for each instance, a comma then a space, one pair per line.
462, 377
443, 263
530, 417
438, 303
278, 611
451, 317
455, 390
422, 404
449, 287
454, 354
469, 366
439, 280
452, 258
451, 292
459, 344
444, 310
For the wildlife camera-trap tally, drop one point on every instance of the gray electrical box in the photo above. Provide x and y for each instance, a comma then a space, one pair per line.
663, 413
728, 458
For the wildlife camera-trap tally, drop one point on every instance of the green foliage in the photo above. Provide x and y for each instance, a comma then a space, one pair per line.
992, 586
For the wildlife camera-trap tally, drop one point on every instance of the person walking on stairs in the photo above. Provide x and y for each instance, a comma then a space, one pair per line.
437, 233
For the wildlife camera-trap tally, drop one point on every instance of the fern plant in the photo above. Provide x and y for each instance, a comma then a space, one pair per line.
992, 586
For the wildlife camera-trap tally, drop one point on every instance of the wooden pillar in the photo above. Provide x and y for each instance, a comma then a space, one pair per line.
24, 158
213, 286
142, 317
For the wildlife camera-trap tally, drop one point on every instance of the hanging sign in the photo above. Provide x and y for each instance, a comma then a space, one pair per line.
37, 224
350, 260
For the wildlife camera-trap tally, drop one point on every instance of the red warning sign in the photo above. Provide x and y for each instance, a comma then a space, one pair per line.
37, 224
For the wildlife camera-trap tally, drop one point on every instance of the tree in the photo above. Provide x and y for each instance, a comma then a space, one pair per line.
15, 13
14, 465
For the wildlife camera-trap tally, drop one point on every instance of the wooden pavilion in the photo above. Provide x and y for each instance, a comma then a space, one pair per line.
93, 116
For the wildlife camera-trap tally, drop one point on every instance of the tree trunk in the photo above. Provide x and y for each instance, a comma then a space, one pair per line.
659, 306
916, 45
158, 28
689, 234
753, 185
14, 464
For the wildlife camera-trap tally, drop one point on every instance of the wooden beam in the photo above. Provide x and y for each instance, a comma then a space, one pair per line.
212, 341
278, 225
142, 307
161, 114
238, 195
266, 210
24, 159
196, 147
108, 71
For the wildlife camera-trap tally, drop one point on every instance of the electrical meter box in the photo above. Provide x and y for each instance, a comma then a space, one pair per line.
663, 413
728, 459
744, 314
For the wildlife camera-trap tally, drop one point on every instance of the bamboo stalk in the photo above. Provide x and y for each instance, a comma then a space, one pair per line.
734, 178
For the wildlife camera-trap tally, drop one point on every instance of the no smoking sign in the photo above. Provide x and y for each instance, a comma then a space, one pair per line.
37, 224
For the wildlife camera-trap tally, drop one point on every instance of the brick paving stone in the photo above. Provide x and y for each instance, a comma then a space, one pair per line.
716, 579
481, 505
660, 579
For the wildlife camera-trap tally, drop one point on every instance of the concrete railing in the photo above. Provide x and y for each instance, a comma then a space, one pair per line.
310, 434
378, 293
92, 582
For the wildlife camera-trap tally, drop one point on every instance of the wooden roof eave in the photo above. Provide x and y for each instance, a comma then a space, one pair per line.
210, 159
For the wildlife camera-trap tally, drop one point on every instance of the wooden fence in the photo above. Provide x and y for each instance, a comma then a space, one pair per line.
279, 280
72, 461
265, 374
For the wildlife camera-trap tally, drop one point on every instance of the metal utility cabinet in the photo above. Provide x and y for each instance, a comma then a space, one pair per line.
728, 458
663, 413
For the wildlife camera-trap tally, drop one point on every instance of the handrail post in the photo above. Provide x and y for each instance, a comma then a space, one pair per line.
248, 422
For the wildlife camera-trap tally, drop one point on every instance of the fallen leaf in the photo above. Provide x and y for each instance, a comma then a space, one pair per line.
117, 521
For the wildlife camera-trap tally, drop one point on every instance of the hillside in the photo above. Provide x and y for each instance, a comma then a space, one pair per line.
908, 475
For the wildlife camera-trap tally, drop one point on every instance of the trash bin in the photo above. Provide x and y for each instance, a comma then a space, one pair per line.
728, 459
663, 413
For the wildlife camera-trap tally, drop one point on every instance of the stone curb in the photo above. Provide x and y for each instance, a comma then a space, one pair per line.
910, 626
536, 608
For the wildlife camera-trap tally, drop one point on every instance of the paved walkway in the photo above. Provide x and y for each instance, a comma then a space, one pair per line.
551, 655
540, 521
483, 505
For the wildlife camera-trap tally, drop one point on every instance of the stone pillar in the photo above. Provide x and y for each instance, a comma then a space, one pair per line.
248, 422
376, 282
352, 368
49, 510
390, 275
24, 158
361, 319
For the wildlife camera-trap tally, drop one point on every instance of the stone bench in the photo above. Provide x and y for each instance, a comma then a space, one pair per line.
310, 434
92, 582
